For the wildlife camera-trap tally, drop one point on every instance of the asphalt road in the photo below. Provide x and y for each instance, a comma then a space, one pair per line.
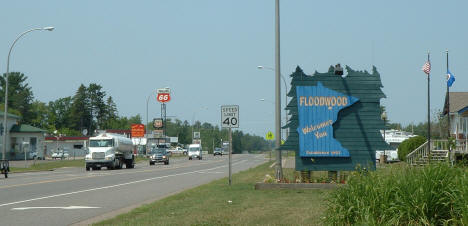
39, 198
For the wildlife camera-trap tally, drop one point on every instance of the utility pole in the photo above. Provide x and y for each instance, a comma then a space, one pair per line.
279, 168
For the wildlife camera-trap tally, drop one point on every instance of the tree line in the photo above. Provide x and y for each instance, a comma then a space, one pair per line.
91, 108
213, 136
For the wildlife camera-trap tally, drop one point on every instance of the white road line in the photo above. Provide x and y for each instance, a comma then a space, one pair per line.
113, 186
56, 207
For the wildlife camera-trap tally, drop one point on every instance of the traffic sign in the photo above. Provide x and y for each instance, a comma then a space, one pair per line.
158, 123
230, 116
196, 135
270, 136
164, 95
138, 130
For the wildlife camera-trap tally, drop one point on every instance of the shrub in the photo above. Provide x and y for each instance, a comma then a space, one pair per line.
409, 145
431, 195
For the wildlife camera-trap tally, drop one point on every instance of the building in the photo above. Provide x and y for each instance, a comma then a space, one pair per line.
23, 140
394, 138
74, 146
458, 114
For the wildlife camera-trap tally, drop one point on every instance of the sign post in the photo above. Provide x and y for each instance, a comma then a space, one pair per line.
164, 96
230, 119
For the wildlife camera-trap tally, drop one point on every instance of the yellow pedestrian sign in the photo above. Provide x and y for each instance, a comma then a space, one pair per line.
270, 136
282, 141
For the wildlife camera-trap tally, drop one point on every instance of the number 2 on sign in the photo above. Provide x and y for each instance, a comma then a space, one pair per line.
230, 121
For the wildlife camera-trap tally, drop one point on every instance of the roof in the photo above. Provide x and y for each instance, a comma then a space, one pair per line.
458, 102
66, 138
9, 115
24, 128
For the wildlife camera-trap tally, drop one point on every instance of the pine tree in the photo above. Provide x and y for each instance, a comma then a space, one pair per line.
81, 117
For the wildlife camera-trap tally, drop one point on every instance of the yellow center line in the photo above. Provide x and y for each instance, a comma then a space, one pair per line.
91, 176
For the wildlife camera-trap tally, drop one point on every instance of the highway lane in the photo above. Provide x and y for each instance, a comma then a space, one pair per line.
34, 198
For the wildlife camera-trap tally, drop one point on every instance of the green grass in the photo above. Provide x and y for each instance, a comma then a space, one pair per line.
402, 195
208, 205
49, 165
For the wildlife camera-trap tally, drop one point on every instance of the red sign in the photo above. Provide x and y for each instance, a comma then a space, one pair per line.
138, 130
163, 97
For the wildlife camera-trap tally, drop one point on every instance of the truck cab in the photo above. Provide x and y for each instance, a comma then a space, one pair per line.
195, 151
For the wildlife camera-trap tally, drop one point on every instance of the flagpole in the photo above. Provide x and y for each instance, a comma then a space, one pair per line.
448, 107
429, 111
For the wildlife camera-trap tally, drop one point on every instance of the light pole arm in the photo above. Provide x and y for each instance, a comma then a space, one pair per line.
5, 127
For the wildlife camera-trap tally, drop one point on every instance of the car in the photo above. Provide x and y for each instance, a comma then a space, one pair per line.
60, 154
218, 151
33, 155
159, 155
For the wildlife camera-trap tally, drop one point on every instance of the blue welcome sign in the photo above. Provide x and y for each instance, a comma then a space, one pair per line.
318, 109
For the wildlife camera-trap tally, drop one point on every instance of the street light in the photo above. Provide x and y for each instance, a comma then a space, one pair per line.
384, 118
147, 101
286, 95
5, 126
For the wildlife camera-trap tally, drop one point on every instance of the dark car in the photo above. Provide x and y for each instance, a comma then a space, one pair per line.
159, 155
218, 151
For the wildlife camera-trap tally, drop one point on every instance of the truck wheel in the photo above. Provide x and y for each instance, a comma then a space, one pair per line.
120, 164
166, 163
87, 168
151, 163
98, 168
189, 158
131, 163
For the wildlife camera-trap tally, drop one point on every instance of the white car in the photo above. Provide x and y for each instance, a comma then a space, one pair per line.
60, 155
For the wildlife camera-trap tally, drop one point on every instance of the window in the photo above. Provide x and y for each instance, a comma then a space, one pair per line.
77, 146
101, 143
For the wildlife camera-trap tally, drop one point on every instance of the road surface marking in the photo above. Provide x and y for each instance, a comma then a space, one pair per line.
113, 186
56, 207
91, 175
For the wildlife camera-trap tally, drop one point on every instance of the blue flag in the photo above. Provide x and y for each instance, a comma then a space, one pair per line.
450, 78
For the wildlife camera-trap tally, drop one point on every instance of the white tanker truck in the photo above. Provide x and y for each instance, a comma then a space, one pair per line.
110, 151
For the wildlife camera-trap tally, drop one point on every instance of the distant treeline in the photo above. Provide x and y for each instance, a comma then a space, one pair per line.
91, 108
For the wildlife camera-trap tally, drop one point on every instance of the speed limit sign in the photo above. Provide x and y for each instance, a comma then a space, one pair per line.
230, 116
164, 95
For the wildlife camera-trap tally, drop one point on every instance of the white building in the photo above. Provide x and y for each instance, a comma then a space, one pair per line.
394, 138
21, 139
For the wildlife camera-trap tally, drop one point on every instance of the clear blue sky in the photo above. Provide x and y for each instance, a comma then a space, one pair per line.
207, 51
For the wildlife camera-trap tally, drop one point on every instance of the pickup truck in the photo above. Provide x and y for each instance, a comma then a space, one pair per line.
178, 150
159, 155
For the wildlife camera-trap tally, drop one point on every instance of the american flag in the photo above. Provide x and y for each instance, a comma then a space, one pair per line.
427, 67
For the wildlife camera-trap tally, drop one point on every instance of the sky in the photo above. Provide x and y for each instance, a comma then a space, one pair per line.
207, 51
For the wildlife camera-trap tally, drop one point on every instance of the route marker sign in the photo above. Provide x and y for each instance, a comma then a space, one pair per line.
270, 136
230, 116
164, 95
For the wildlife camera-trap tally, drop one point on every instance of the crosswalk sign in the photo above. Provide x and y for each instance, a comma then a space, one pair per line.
270, 136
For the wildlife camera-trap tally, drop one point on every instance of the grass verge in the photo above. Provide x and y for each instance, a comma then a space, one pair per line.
208, 205
49, 165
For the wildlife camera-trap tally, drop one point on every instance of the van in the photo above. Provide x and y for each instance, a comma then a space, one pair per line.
195, 151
